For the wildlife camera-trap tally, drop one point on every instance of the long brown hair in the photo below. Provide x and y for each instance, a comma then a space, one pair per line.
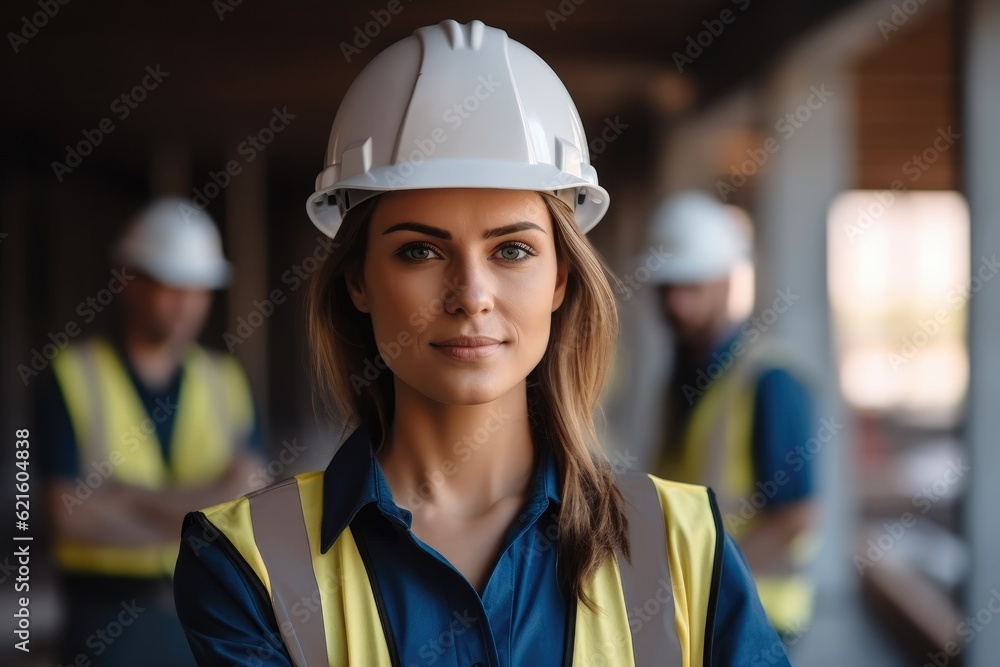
563, 390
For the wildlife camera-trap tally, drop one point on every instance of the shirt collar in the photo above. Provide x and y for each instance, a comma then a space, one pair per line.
687, 368
354, 479
726, 340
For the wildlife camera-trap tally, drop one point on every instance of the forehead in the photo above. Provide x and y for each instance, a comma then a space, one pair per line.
459, 208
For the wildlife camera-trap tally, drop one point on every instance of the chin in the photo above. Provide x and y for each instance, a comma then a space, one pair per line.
463, 388
684, 334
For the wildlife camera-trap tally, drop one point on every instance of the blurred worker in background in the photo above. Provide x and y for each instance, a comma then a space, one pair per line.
736, 415
137, 430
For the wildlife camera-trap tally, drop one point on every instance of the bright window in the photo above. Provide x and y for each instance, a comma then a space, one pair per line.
899, 285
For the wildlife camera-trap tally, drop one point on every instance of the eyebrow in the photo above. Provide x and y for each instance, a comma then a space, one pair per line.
446, 235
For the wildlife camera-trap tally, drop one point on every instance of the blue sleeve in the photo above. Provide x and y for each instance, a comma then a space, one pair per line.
743, 635
782, 424
221, 604
58, 455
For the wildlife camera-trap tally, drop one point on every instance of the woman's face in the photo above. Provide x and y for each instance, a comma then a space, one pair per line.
461, 285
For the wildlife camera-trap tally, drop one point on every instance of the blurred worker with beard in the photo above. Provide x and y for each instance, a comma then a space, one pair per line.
737, 414
137, 429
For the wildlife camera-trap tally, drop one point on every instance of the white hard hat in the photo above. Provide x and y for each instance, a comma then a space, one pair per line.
176, 243
456, 106
702, 239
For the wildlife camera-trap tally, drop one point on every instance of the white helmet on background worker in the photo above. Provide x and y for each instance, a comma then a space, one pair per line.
456, 106
177, 244
702, 239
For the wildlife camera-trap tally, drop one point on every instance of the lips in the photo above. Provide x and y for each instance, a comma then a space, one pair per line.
468, 348
467, 341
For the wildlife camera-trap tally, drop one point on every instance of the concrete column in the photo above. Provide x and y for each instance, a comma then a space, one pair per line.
811, 166
981, 139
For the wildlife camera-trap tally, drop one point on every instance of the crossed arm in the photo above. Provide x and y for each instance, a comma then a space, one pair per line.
116, 514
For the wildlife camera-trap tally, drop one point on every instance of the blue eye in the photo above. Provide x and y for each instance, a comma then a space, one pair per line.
417, 252
516, 252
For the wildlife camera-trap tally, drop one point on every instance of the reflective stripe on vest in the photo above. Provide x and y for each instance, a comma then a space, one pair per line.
116, 438
653, 613
96, 429
716, 450
647, 536
288, 557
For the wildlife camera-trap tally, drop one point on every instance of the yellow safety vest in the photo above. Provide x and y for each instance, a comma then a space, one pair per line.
116, 439
715, 449
674, 533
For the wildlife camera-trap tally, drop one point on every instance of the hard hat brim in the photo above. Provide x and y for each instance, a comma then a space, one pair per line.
327, 206
213, 277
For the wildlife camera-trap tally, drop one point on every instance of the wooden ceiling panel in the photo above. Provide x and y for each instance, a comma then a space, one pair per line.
907, 94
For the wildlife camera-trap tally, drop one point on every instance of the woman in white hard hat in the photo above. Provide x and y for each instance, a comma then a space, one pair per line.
464, 327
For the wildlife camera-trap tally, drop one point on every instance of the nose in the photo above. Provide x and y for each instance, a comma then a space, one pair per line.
469, 289
676, 301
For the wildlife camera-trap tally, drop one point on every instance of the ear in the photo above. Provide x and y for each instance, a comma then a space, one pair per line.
356, 288
562, 277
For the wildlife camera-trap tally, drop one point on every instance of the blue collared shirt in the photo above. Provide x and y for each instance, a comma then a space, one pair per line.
523, 618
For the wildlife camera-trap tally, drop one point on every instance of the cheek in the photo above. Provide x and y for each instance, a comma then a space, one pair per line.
683, 306
399, 304
161, 308
707, 308
528, 305
196, 303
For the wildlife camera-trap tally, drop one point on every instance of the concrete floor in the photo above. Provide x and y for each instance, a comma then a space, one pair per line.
845, 633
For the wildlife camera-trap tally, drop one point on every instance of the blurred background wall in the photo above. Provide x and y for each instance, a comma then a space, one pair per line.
859, 138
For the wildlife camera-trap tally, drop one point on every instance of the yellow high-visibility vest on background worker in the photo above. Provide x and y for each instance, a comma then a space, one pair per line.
715, 449
116, 439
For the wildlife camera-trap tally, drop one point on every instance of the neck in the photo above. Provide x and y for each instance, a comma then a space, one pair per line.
463, 458
155, 362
